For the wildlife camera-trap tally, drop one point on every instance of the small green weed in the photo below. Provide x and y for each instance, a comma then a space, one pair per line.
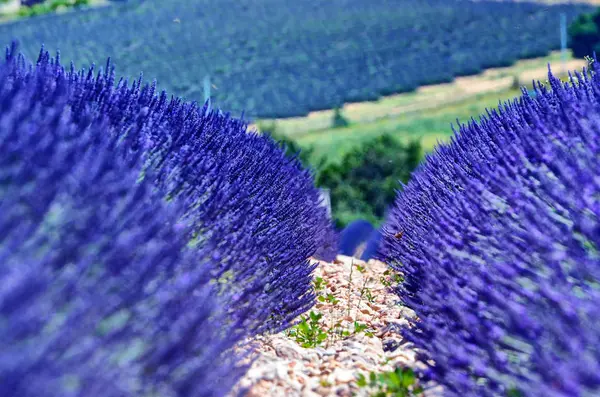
358, 328
319, 283
338, 331
390, 278
401, 382
308, 333
330, 298
514, 392
589, 60
369, 295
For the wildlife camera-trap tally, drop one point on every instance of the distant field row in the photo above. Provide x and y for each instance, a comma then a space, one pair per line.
426, 118
429, 126
495, 80
278, 58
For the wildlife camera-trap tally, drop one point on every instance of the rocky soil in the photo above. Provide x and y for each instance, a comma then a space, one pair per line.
352, 291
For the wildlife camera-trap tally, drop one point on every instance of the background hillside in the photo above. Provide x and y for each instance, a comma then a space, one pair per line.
274, 58
329, 78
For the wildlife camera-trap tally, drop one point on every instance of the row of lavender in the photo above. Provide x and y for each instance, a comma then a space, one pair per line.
498, 236
324, 53
142, 239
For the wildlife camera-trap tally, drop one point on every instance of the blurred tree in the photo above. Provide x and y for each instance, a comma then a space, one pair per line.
339, 120
364, 184
584, 35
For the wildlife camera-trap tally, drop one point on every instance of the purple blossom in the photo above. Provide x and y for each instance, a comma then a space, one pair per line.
98, 293
142, 237
500, 248
246, 202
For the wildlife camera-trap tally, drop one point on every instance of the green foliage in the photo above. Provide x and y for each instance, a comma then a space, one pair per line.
514, 392
338, 331
401, 382
329, 298
49, 6
590, 61
364, 184
584, 35
358, 328
308, 332
339, 121
390, 278
319, 283
367, 293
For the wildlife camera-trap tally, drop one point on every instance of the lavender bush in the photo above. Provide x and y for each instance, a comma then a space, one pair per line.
142, 237
497, 235
256, 211
99, 295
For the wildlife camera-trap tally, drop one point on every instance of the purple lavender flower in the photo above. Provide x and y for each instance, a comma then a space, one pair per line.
142, 238
256, 211
498, 238
98, 293
355, 235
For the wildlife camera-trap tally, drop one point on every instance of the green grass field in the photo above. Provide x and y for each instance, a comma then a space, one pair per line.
429, 126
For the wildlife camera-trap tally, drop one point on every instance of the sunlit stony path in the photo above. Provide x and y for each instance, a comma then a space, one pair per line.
352, 291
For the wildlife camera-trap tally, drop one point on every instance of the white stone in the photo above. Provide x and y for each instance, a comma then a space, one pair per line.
343, 375
287, 350
10, 7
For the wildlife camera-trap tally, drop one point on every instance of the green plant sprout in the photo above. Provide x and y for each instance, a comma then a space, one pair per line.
390, 278
350, 289
514, 392
339, 331
589, 60
363, 291
369, 296
358, 328
330, 298
319, 283
308, 332
401, 382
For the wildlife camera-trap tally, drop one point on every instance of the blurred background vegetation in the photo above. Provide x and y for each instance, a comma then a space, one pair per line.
361, 151
363, 184
360, 145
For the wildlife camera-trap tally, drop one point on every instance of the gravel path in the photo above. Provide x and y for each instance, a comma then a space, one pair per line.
356, 293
